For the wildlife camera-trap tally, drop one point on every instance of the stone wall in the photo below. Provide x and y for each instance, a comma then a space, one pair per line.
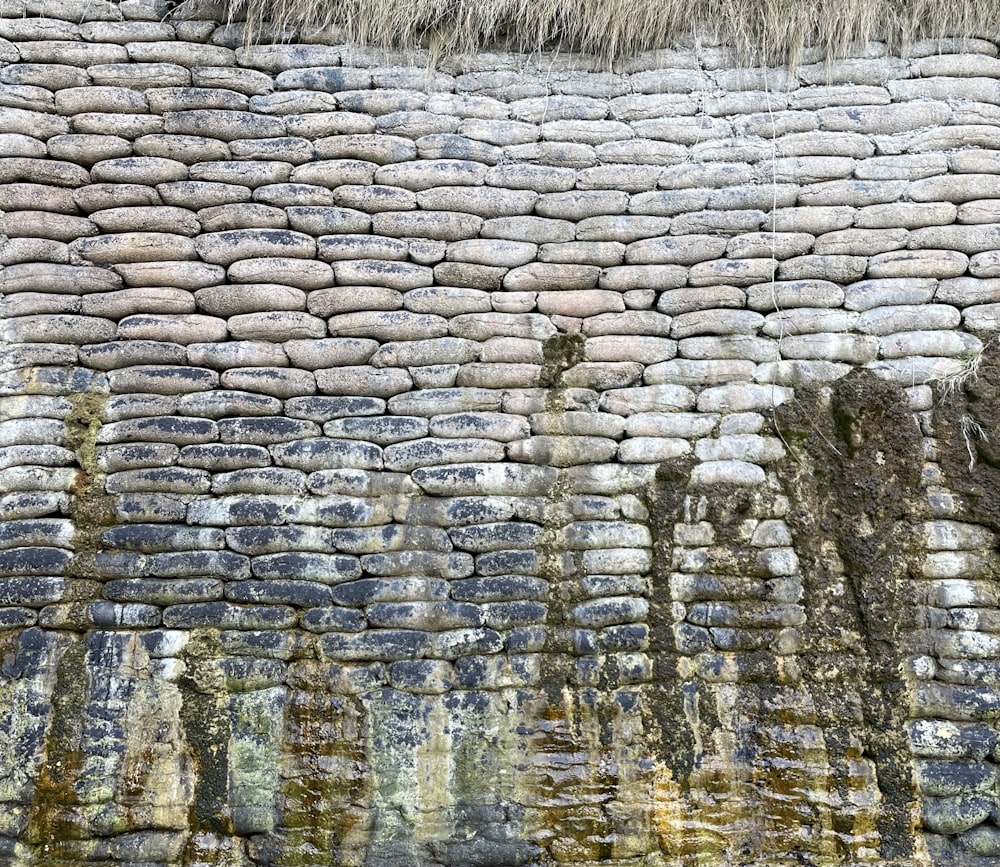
507, 463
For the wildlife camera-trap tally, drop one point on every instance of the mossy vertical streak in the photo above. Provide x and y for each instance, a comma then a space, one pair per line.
55, 816
91, 509
325, 789
207, 729
856, 464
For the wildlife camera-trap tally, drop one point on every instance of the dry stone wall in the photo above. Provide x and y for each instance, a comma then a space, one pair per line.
504, 463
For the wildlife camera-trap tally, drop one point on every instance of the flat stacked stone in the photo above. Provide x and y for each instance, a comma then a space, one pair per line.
388, 360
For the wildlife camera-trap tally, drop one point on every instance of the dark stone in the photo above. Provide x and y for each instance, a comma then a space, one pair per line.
150, 538
433, 616
222, 402
33, 561
500, 588
164, 591
508, 563
483, 852
264, 430
31, 592
225, 615
956, 814
943, 778
526, 639
31, 645
245, 673
382, 430
200, 564
307, 565
150, 507
169, 429
368, 590
486, 537
505, 615
113, 615
421, 675
20, 533
332, 619
274, 540
304, 594
385, 645
322, 409
15, 618
627, 637
121, 564
222, 457
174, 480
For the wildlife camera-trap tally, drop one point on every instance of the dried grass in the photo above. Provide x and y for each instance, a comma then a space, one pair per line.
757, 30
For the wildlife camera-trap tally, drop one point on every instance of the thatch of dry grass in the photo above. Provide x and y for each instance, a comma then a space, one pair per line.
761, 30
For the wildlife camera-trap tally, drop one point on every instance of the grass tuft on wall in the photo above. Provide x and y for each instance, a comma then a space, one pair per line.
756, 30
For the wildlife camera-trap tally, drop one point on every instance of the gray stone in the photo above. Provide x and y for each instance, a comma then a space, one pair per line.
226, 248
275, 381
955, 814
888, 320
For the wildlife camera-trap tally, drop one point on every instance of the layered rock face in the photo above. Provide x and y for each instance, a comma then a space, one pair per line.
507, 463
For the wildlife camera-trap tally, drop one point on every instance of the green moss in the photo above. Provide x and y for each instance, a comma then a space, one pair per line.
853, 516
325, 798
206, 724
55, 815
559, 353
91, 509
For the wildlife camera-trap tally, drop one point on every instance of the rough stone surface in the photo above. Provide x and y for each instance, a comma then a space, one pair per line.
510, 462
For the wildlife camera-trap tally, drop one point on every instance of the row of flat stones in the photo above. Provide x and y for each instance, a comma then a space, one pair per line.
291, 219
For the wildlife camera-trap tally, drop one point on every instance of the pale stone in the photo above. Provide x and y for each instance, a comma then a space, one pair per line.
796, 373
420, 353
363, 380
888, 320
225, 248
711, 474
276, 326
839, 269
134, 247
624, 278
304, 274
581, 303
390, 325
329, 352
741, 397
867, 294
853, 348
177, 221
934, 343
645, 322
966, 239
447, 301
645, 349
695, 373
982, 317
436, 225
418, 175
562, 451
492, 252
734, 346
653, 398
782, 295
174, 328
351, 299
722, 321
